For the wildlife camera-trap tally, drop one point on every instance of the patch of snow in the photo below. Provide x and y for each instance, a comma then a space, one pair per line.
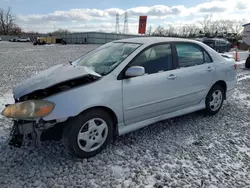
120, 152
150, 181
5, 99
50, 45
242, 62
3, 134
29, 50
126, 183
211, 145
245, 150
243, 98
189, 140
243, 55
118, 170
244, 77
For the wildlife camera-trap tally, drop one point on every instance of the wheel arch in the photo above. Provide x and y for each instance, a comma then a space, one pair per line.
109, 111
60, 126
223, 84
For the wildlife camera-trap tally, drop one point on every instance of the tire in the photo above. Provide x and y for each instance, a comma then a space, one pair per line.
247, 64
80, 126
218, 92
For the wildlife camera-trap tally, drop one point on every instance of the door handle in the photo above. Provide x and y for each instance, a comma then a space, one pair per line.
172, 77
209, 69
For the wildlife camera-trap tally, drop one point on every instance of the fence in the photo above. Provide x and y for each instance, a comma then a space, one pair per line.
31, 36
6, 37
92, 37
81, 38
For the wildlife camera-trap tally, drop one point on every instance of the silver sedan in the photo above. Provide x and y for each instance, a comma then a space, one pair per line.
118, 88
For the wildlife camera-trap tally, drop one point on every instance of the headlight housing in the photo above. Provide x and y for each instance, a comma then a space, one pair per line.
30, 109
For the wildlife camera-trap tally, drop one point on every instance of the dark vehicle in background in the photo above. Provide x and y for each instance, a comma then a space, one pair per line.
49, 40
219, 45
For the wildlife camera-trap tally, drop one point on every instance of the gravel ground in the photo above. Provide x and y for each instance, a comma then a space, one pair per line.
189, 151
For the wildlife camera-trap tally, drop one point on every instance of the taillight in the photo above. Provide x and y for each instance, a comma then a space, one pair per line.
235, 66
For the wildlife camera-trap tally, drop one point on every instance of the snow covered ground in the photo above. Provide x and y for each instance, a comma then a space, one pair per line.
189, 151
241, 54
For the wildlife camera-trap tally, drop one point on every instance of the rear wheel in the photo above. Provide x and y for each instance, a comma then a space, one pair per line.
89, 133
215, 99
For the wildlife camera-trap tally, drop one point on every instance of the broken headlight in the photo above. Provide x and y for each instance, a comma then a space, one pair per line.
31, 109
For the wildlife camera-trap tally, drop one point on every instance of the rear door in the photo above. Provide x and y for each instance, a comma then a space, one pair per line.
194, 74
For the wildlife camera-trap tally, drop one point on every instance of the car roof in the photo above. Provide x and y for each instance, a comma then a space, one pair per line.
153, 40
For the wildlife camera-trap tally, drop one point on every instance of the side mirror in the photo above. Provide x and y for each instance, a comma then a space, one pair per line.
135, 71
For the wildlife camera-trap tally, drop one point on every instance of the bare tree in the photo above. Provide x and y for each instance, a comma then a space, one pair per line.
206, 27
6, 21
170, 31
214, 28
149, 30
194, 31
190, 30
61, 31
159, 31
15, 30
184, 31
206, 23
237, 26
225, 27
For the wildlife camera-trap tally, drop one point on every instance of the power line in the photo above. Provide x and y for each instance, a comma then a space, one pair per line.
125, 27
117, 26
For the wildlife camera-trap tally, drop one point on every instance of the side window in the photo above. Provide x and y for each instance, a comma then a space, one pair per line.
155, 59
207, 58
189, 55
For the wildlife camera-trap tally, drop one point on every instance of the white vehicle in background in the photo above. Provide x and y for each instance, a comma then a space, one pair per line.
13, 39
23, 39
0, 39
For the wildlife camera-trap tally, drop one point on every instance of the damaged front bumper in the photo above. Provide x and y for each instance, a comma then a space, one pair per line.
28, 129
31, 127
22, 129
19, 130
27, 120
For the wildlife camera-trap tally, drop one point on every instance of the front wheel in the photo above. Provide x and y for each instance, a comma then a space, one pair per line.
214, 100
89, 133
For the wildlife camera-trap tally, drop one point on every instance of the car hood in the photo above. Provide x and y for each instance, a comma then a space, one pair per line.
52, 76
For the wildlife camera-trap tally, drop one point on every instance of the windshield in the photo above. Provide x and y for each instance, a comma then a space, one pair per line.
107, 57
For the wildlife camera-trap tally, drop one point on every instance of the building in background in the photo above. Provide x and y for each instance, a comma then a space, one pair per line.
246, 34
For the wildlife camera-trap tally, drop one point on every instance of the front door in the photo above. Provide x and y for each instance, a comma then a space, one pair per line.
149, 95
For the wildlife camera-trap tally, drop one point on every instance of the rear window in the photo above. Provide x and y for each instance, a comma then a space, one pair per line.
209, 43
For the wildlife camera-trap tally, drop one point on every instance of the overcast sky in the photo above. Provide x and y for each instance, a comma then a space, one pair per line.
95, 15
